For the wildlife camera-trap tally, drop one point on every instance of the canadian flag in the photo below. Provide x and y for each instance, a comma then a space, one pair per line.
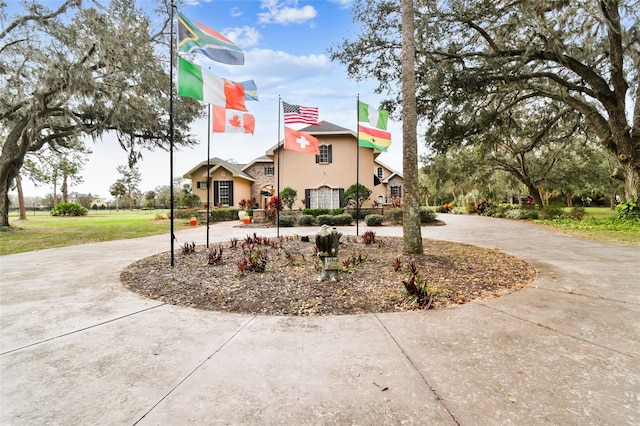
232, 121
300, 141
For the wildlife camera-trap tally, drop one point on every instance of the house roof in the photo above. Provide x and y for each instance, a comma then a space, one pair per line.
217, 163
325, 128
263, 159
393, 172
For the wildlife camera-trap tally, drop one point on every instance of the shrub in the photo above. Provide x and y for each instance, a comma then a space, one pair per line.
184, 213
221, 215
288, 196
315, 212
338, 211
522, 214
275, 206
394, 215
531, 214
342, 219
369, 237
458, 210
514, 214
552, 211
287, 221
69, 209
306, 220
628, 210
499, 210
190, 201
577, 213
427, 215
364, 212
374, 219
470, 207
324, 219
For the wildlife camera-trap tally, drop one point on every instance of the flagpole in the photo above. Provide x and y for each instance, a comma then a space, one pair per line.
357, 165
171, 135
278, 184
208, 169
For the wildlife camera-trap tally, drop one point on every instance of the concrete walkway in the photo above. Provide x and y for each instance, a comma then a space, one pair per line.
76, 348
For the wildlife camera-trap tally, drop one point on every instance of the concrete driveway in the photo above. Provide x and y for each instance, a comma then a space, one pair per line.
76, 348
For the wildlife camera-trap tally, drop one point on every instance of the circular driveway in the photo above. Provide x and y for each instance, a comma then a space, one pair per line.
78, 348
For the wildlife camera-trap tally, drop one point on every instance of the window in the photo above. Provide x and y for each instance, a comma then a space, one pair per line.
325, 156
396, 191
223, 193
324, 198
379, 171
269, 171
201, 185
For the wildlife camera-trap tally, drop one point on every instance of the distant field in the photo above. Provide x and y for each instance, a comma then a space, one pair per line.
41, 230
599, 212
599, 224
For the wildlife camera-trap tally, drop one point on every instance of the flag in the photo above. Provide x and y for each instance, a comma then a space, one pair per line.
300, 141
196, 83
193, 37
373, 138
230, 121
300, 114
250, 90
376, 117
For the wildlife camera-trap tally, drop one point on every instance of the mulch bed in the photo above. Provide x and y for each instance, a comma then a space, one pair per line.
289, 285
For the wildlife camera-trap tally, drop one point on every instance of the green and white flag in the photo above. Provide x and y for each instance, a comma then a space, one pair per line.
197, 83
376, 117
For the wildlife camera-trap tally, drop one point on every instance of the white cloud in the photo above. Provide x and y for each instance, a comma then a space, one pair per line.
243, 36
281, 13
272, 67
344, 4
236, 12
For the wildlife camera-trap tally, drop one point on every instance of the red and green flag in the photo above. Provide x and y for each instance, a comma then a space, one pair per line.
373, 138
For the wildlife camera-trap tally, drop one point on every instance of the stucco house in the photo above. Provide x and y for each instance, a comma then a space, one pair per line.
319, 180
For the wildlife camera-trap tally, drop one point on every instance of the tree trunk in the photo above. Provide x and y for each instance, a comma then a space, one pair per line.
11, 159
631, 183
411, 230
21, 208
65, 189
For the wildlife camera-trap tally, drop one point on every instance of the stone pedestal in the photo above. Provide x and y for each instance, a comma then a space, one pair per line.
327, 243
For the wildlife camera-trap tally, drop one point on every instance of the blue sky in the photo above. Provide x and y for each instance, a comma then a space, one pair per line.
285, 44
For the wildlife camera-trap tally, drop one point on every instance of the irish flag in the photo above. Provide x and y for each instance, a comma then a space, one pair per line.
230, 121
378, 118
197, 83
373, 138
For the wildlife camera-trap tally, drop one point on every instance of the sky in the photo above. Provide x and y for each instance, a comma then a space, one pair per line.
286, 54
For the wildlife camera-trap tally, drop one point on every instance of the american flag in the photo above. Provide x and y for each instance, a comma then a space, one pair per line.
300, 114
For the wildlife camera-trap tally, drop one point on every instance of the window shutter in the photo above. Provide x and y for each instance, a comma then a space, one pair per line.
329, 150
341, 195
215, 192
231, 200
307, 195
317, 159
400, 191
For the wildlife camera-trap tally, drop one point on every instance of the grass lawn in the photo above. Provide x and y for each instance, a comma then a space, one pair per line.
599, 224
41, 230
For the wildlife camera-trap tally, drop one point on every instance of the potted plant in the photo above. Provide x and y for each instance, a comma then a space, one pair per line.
248, 216
243, 205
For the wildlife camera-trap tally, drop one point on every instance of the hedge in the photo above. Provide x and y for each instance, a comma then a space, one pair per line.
374, 219
306, 220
